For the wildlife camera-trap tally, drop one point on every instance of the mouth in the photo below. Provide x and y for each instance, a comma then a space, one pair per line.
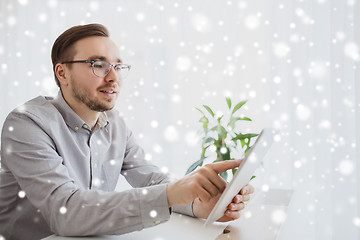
107, 91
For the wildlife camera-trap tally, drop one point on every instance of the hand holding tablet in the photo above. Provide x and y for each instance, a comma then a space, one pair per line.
242, 176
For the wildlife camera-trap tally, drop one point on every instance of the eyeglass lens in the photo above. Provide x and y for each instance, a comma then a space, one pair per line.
102, 68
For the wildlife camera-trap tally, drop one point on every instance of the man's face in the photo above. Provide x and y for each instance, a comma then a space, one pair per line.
97, 93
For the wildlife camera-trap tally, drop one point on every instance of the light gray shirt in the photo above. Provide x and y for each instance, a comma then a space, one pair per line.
59, 176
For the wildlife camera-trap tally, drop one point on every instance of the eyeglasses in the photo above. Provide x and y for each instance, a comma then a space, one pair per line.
101, 68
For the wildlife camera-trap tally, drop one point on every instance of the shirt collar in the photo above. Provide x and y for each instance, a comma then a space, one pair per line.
72, 119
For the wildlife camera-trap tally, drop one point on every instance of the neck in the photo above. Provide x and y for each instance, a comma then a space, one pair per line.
89, 116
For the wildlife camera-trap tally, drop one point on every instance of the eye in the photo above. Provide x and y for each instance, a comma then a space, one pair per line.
99, 65
119, 67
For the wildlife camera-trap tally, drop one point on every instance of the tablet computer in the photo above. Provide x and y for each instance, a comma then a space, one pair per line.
242, 176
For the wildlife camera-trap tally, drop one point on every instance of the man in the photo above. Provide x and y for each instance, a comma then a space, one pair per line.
61, 157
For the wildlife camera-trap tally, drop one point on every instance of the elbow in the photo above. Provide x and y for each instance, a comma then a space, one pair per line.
67, 226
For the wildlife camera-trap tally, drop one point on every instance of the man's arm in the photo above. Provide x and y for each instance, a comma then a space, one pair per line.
140, 172
30, 154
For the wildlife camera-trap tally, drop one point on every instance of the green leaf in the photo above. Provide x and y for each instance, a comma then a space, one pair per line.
195, 165
204, 150
252, 178
205, 121
221, 131
214, 128
200, 111
209, 110
219, 119
238, 106
242, 142
243, 118
234, 170
228, 100
233, 120
209, 139
224, 175
244, 136
247, 149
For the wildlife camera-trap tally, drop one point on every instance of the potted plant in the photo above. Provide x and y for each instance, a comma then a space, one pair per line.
223, 139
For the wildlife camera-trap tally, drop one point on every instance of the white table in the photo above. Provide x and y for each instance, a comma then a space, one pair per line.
262, 219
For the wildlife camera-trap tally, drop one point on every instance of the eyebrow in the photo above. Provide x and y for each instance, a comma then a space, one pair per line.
103, 58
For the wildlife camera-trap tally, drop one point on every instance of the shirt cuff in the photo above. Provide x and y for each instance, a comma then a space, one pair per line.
186, 209
154, 206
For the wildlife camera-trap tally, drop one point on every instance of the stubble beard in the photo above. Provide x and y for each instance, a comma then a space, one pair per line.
93, 104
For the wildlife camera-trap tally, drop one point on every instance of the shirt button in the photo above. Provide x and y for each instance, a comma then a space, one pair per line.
157, 222
76, 128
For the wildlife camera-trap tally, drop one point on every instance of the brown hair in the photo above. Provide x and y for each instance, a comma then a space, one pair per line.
62, 49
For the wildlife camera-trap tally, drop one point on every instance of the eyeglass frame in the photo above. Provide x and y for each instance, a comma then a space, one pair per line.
92, 61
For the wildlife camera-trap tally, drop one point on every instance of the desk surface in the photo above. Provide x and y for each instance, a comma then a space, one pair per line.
261, 219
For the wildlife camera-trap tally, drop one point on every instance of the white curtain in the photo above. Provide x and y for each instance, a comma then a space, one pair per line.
297, 63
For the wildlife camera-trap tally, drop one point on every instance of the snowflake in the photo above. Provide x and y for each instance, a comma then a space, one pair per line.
154, 124
140, 16
94, 6
325, 124
346, 167
281, 49
148, 156
223, 150
252, 22
297, 164
176, 98
265, 188
278, 216
164, 170
21, 194
277, 80
171, 134
303, 112
351, 2
200, 22
63, 210
52, 3
157, 148
242, 5
266, 107
191, 138
351, 50
96, 182
173, 21
23, 2
277, 138
248, 214
356, 221
153, 214
183, 63
42, 17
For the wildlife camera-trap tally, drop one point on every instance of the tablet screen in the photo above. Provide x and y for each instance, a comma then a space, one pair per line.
242, 176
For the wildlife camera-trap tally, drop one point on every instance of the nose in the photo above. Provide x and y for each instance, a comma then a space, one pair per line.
112, 76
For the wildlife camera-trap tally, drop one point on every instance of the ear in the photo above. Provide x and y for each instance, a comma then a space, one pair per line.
62, 74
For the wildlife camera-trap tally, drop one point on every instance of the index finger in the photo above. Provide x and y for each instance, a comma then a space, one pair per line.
220, 167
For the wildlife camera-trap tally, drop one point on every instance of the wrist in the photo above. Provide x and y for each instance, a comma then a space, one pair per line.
169, 194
